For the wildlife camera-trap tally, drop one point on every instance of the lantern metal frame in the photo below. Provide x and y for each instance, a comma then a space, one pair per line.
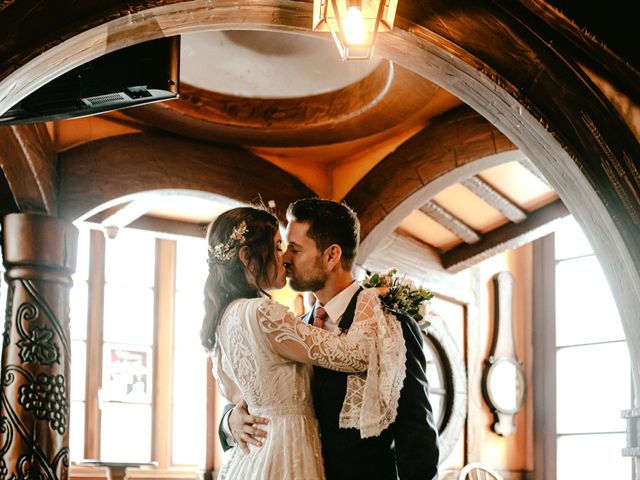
378, 15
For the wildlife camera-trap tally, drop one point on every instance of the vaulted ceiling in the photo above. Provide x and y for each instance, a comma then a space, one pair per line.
290, 102
278, 114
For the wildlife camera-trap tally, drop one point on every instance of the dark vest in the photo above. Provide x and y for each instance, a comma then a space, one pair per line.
346, 455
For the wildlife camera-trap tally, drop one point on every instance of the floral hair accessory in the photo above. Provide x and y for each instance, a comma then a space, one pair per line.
404, 296
225, 251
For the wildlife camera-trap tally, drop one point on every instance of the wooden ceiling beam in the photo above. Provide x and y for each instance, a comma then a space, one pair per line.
169, 226
127, 214
161, 226
99, 217
450, 222
512, 235
28, 160
495, 199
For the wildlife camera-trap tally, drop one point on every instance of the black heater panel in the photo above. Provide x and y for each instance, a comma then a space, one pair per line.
143, 73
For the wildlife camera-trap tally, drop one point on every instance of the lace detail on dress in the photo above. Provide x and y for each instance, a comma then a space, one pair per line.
296, 340
246, 365
242, 365
371, 401
373, 343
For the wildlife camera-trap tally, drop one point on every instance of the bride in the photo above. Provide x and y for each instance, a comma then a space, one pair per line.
263, 353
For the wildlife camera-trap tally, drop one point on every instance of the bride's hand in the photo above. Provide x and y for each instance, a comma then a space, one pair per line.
383, 291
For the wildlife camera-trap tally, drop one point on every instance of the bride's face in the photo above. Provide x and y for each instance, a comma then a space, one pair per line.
278, 273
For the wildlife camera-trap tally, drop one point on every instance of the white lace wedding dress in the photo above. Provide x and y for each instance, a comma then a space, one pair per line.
263, 354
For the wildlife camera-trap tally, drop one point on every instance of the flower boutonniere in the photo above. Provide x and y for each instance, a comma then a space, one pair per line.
404, 297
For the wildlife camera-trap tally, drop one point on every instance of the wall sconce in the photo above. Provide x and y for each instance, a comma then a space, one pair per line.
354, 24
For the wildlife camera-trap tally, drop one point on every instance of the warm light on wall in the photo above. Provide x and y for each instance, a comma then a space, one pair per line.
354, 24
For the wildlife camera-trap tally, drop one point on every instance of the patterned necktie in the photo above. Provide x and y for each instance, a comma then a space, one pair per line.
320, 317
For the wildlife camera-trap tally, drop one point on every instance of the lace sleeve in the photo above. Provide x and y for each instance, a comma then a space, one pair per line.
296, 340
371, 402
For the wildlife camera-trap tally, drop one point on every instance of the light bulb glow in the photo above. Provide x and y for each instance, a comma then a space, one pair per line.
354, 26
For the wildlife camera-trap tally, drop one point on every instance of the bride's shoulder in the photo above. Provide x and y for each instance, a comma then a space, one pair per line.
270, 308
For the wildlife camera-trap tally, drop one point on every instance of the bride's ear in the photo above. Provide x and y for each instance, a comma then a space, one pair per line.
333, 255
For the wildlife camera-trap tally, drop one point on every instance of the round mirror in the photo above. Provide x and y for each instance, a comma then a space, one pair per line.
505, 385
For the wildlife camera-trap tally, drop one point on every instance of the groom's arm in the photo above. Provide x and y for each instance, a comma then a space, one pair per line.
414, 431
224, 430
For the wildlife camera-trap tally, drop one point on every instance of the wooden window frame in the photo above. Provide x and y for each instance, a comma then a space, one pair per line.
544, 358
162, 350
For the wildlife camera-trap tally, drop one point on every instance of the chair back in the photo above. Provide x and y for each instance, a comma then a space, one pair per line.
478, 471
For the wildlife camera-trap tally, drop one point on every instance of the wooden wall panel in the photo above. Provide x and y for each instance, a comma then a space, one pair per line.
513, 453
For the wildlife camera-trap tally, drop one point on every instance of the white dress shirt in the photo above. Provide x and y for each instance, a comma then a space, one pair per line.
337, 305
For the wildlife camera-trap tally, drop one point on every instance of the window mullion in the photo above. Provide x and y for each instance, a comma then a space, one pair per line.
95, 322
544, 371
164, 306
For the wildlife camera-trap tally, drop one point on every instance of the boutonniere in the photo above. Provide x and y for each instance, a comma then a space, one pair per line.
404, 296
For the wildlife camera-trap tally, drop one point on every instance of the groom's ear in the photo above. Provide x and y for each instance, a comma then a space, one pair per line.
333, 255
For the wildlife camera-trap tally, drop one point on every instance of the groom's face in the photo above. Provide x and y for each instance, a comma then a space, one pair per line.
303, 259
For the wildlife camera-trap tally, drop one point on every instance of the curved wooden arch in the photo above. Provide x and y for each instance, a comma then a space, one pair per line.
28, 162
459, 141
489, 54
100, 172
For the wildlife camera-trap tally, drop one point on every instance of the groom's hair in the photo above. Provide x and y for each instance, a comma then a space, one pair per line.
329, 223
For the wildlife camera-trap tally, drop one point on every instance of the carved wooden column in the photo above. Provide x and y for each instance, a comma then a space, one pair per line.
39, 256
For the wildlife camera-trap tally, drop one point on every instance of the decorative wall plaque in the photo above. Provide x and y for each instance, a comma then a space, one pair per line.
503, 381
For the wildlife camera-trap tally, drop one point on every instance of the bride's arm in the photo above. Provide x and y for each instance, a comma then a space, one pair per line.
296, 340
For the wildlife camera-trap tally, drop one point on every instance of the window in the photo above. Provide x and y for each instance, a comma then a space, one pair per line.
136, 310
189, 399
590, 358
128, 341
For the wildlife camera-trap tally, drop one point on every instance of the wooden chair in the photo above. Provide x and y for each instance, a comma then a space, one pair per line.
478, 471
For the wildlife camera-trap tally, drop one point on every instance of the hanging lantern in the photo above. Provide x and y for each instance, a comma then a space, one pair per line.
354, 24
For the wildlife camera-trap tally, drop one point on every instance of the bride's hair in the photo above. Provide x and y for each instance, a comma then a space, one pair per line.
245, 228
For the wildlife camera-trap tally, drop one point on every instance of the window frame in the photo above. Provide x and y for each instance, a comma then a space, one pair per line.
164, 291
544, 357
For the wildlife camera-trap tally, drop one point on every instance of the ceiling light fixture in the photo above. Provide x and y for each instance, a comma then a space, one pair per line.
354, 24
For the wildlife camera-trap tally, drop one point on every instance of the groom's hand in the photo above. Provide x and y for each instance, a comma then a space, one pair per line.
243, 427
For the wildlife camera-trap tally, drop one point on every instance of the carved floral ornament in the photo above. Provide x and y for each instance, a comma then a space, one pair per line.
34, 388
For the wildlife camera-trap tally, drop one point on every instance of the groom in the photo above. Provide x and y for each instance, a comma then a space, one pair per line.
322, 243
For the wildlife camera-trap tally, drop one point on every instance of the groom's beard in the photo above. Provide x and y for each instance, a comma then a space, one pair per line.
308, 280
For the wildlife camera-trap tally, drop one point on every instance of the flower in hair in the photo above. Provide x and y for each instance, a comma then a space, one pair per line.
225, 251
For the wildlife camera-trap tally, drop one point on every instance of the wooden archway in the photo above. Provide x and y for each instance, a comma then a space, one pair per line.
459, 141
98, 172
516, 63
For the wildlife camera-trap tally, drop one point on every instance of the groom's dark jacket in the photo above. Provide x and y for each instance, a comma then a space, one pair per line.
408, 449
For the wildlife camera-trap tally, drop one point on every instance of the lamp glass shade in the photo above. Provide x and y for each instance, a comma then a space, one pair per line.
354, 24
